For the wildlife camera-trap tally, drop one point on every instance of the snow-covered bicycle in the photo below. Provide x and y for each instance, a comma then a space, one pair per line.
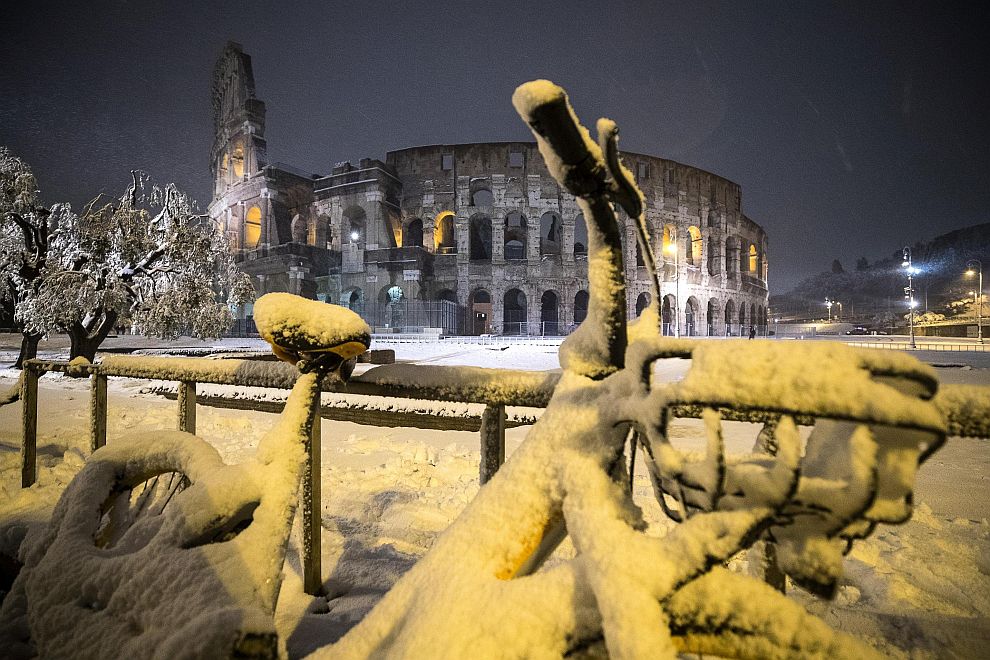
214, 555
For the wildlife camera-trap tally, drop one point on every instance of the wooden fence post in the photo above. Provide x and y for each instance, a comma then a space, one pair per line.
187, 406
492, 441
98, 411
29, 423
312, 506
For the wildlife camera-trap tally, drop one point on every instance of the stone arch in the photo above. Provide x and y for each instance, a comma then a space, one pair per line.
352, 298
692, 315
742, 319
480, 243
355, 225
515, 236
694, 253
642, 302
391, 299
412, 233
446, 294
730, 316
252, 227
580, 306
480, 311
514, 313
481, 193
712, 316
550, 313
298, 228
754, 260
551, 233
444, 238
667, 316
753, 320
580, 237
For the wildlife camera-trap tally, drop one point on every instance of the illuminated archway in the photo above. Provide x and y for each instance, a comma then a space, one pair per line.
252, 228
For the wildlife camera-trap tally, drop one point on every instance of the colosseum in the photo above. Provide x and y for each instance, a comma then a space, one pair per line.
470, 238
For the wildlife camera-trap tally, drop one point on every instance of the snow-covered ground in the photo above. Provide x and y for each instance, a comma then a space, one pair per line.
917, 590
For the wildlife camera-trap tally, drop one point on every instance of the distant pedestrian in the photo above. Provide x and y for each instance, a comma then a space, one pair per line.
752, 332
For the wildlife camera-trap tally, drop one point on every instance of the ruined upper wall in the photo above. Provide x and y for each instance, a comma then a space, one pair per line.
666, 183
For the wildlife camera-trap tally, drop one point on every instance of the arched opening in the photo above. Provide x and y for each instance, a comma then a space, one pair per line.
580, 237
731, 256
694, 253
515, 236
327, 232
642, 302
713, 309
355, 226
514, 313
353, 299
730, 316
669, 247
444, 240
481, 312
482, 197
392, 299
742, 319
753, 319
640, 261
252, 228
480, 248
237, 160
692, 312
412, 233
550, 314
667, 307
551, 230
580, 306
754, 260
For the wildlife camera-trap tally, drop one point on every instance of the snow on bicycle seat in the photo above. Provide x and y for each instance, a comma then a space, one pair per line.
300, 328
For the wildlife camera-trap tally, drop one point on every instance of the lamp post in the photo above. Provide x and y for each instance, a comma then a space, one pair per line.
909, 291
978, 298
672, 249
828, 303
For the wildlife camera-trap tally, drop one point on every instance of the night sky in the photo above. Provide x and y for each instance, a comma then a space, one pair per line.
853, 128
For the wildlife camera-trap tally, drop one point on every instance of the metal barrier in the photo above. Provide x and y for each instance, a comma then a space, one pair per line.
905, 346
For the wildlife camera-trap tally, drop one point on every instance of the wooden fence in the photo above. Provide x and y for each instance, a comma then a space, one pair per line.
967, 409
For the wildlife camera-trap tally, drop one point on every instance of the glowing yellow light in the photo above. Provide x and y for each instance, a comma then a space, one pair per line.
970, 272
672, 247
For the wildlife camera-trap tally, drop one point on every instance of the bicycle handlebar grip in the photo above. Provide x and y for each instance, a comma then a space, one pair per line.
544, 107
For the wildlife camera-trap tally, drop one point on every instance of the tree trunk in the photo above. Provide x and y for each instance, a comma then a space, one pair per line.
83, 342
29, 348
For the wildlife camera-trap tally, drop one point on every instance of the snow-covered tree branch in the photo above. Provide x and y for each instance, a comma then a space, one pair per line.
146, 259
23, 240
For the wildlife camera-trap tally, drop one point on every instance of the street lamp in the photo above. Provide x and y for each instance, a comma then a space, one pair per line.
978, 299
672, 249
828, 303
909, 291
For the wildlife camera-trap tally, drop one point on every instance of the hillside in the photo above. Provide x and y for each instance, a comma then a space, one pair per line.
874, 291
